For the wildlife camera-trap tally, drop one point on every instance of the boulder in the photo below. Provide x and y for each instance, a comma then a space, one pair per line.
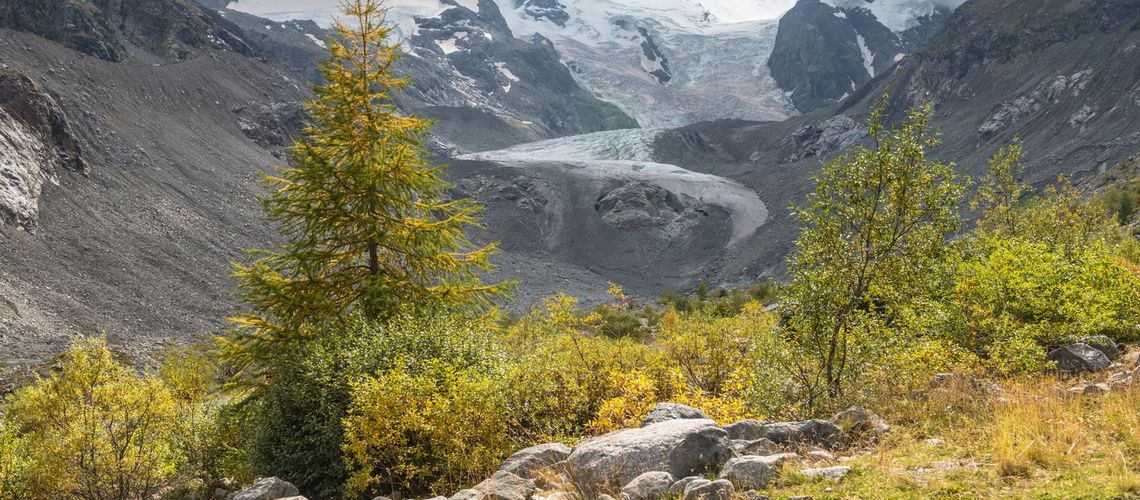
469, 494
858, 422
672, 411
820, 456
677, 489
270, 488
749, 473
648, 486
1087, 389
834, 473
680, 447
754, 495
746, 430
504, 485
811, 432
532, 459
1105, 345
1121, 379
1131, 358
703, 489
1075, 359
762, 446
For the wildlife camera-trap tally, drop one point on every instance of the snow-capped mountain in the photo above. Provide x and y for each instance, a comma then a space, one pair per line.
674, 62
826, 49
659, 61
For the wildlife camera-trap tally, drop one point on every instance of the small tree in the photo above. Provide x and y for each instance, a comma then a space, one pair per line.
1001, 190
363, 213
873, 231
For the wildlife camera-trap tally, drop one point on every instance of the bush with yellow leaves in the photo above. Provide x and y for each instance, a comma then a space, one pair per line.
435, 431
93, 429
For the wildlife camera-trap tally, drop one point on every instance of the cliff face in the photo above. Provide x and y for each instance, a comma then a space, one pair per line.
825, 52
115, 30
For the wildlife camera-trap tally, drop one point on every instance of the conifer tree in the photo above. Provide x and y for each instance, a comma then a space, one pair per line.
363, 212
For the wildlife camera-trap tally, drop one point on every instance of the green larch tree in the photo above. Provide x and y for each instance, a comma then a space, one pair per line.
366, 223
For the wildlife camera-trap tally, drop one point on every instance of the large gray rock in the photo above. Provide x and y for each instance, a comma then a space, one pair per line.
648, 486
677, 489
1078, 358
749, 473
1122, 379
679, 447
269, 488
1105, 345
469, 494
529, 460
703, 489
762, 446
504, 485
746, 430
812, 432
834, 473
672, 411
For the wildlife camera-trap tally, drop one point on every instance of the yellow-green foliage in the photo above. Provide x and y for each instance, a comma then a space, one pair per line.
208, 433
17, 466
96, 429
563, 370
1014, 289
873, 233
436, 431
711, 351
295, 422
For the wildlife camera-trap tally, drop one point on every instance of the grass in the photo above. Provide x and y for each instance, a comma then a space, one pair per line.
1037, 442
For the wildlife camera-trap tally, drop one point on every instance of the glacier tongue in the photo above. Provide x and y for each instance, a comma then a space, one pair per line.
625, 156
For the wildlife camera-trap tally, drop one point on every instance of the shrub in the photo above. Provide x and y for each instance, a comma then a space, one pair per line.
710, 350
17, 466
558, 387
438, 431
295, 421
1017, 292
96, 429
873, 232
209, 435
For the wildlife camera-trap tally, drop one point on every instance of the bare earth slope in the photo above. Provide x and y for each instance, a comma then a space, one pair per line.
140, 247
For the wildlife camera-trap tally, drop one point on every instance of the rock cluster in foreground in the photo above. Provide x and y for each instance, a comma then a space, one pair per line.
672, 455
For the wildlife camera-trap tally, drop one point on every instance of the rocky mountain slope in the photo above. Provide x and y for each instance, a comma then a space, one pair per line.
129, 183
129, 169
665, 63
485, 87
825, 50
1059, 74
